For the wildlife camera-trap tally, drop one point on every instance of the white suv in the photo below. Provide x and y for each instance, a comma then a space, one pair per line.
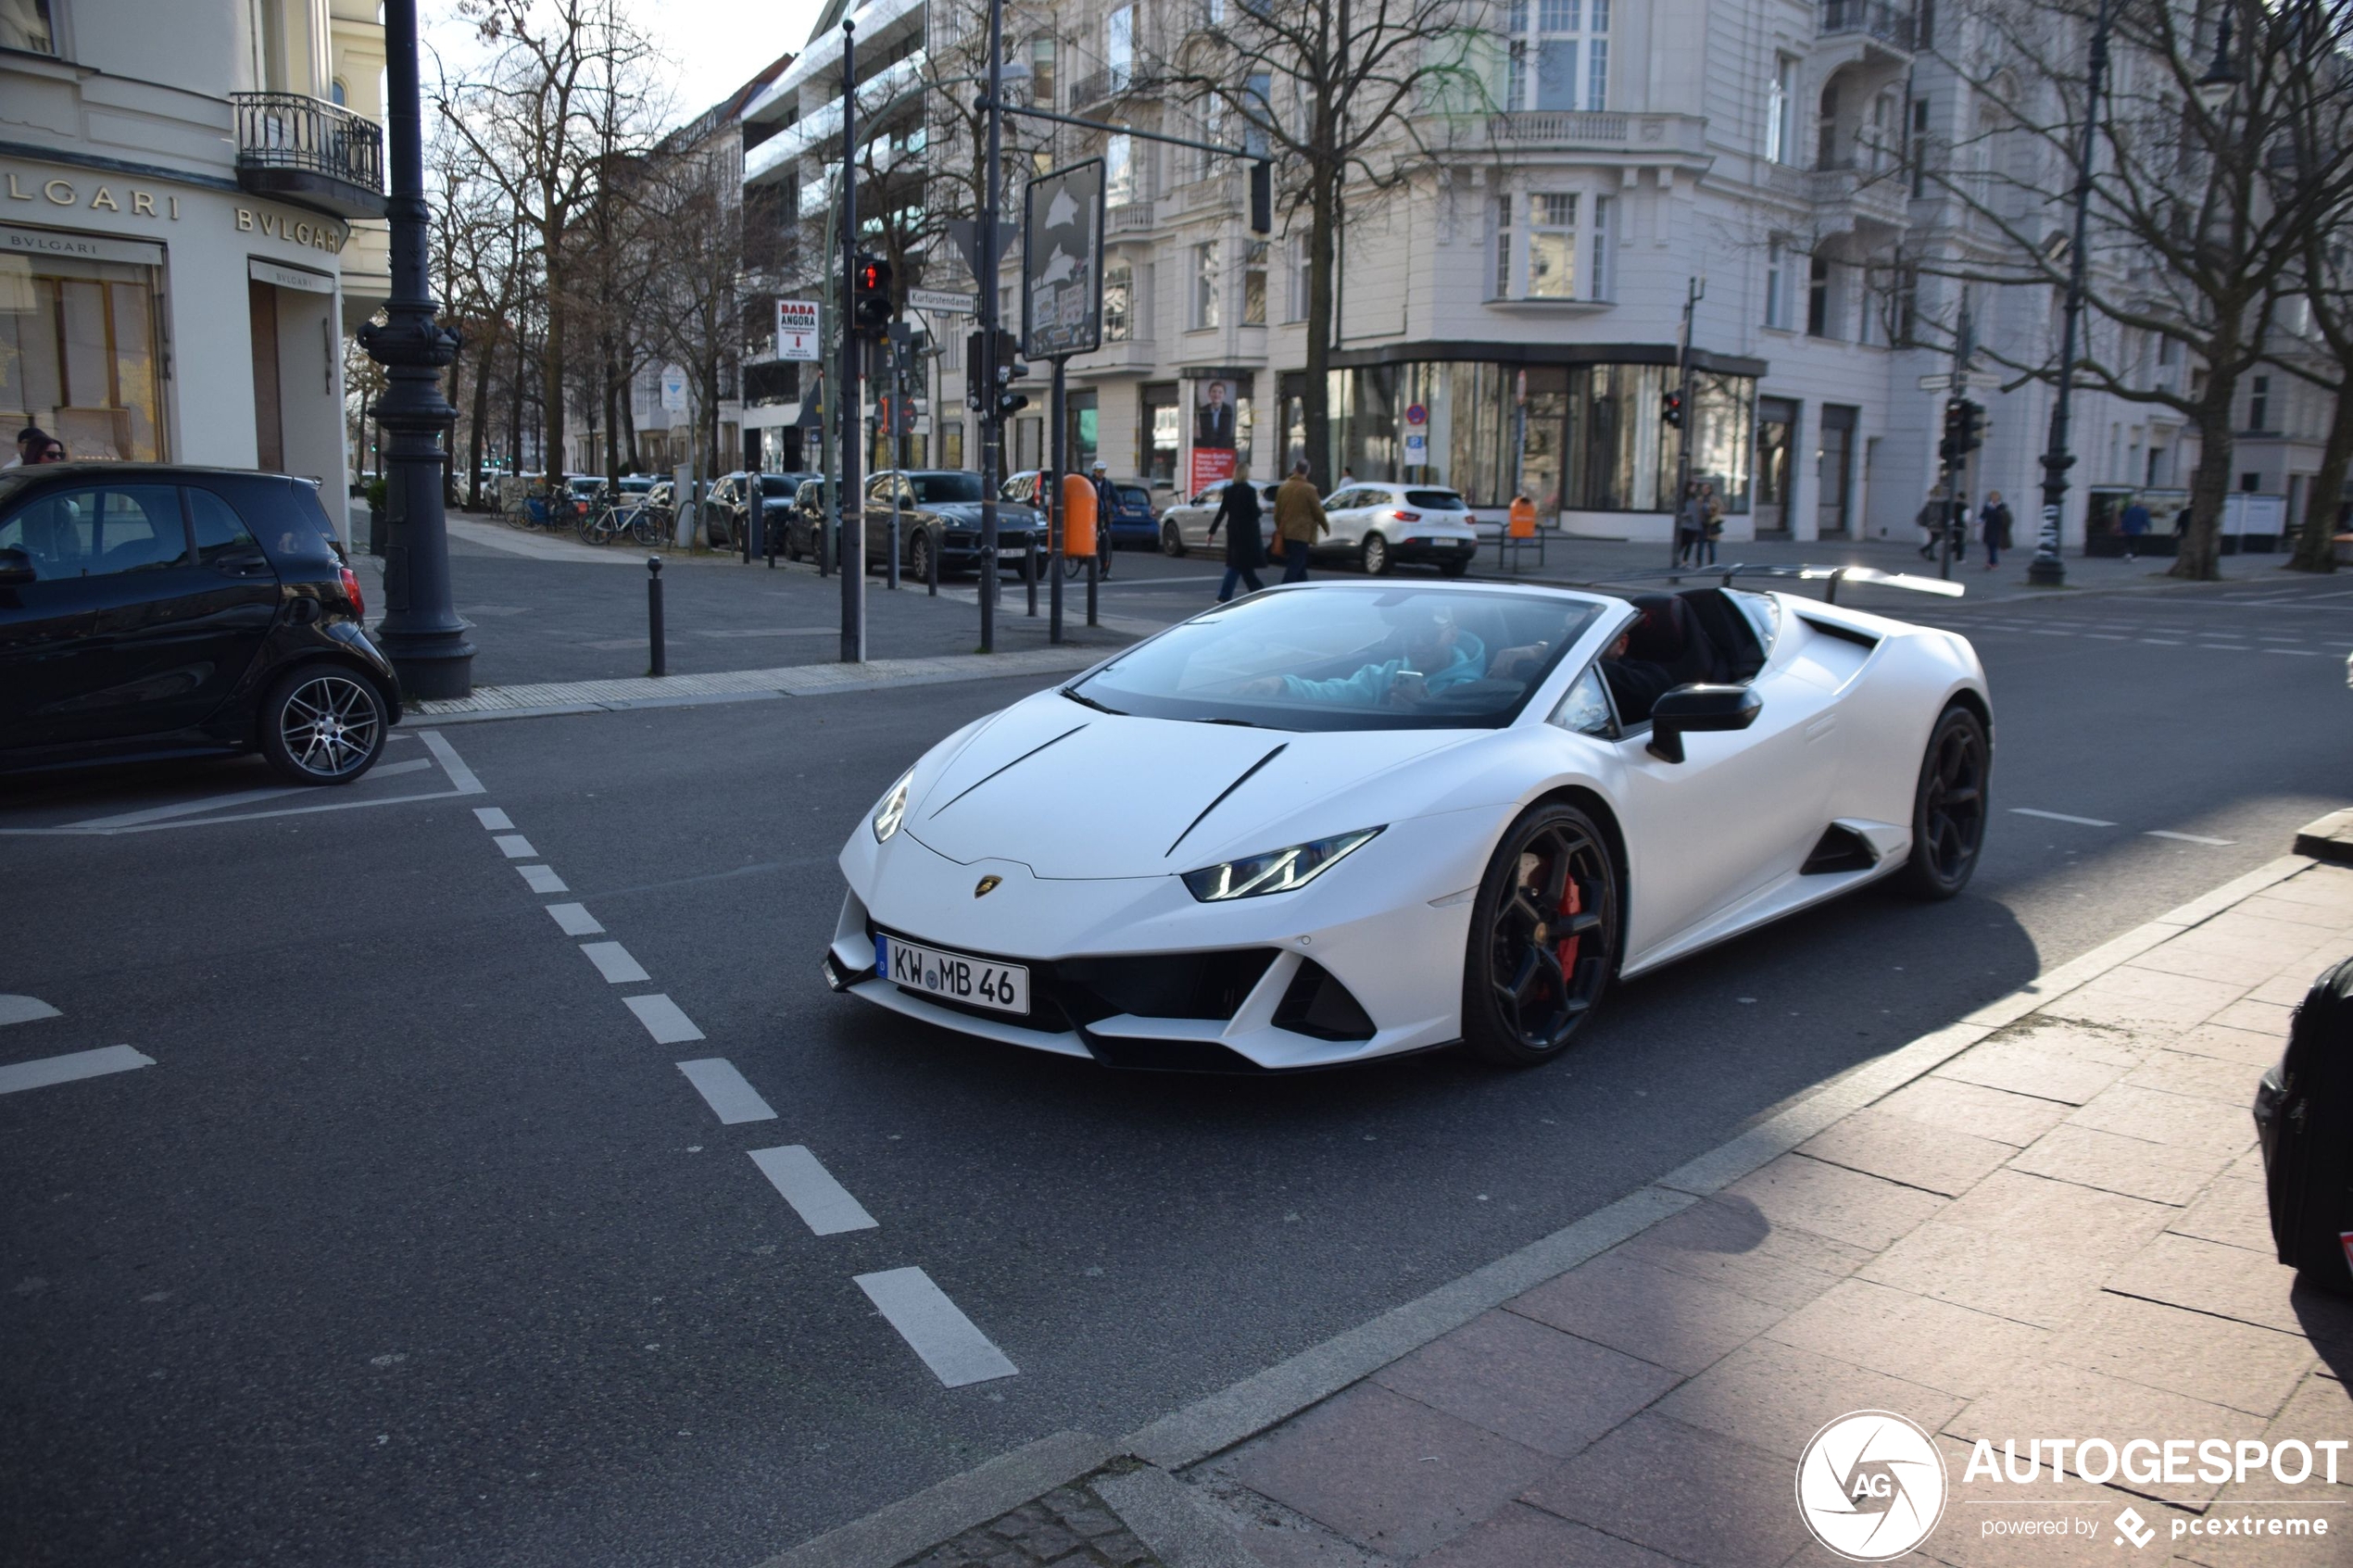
1382, 524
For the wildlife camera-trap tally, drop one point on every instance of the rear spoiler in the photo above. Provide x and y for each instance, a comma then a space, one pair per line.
1829, 576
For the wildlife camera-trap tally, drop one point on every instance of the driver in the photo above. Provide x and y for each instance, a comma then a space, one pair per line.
1438, 655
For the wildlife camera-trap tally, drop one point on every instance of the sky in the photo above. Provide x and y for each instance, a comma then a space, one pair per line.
711, 46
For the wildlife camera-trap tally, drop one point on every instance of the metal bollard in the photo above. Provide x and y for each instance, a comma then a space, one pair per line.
931, 571
1029, 577
890, 567
653, 616
1093, 563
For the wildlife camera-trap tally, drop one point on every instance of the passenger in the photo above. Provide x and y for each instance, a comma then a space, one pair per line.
1634, 683
1438, 655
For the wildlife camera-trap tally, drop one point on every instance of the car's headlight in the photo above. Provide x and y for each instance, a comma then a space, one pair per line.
1278, 871
893, 808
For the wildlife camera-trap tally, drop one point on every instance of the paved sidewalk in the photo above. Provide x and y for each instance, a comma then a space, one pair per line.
2045, 1221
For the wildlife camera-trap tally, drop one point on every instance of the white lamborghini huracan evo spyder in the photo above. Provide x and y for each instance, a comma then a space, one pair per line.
1338, 821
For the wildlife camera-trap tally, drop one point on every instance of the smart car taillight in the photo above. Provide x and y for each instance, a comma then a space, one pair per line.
351, 592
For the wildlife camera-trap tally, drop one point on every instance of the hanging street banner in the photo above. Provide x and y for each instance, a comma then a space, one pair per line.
797, 331
1062, 262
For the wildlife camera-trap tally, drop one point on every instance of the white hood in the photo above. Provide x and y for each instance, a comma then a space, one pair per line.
1074, 793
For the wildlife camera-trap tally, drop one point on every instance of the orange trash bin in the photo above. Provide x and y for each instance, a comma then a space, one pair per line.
1078, 516
1523, 525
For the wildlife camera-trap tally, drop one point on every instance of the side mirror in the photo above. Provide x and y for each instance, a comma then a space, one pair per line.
1696, 708
16, 567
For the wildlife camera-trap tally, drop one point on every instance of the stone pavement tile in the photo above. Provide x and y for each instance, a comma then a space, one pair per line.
2235, 1213
2264, 1017
2202, 1077
2055, 1400
2328, 1323
1519, 1379
1693, 1495
1277, 1536
1387, 1472
2207, 1276
2256, 1048
1522, 1536
1728, 1241
1913, 1337
1882, 1143
2021, 1067
2319, 1408
2253, 966
2214, 1359
2021, 1247
1776, 1396
2016, 1119
2283, 990
1833, 1202
2247, 1167
2271, 905
2138, 1169
2284, 935
1667, 1319
2140, 998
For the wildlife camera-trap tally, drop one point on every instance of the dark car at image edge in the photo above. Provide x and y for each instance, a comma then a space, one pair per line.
151, 609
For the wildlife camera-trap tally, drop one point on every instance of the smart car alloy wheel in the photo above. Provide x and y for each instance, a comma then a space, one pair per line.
323, 725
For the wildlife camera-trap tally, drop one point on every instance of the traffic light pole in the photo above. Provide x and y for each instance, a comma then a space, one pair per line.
1693, 292
1059, 444
854, 510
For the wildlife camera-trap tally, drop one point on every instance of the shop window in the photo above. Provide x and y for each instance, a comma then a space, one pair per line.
79, 357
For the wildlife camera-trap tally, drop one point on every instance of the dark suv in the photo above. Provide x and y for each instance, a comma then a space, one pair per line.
152, 610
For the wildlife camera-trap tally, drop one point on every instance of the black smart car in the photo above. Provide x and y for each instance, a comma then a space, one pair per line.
152, 610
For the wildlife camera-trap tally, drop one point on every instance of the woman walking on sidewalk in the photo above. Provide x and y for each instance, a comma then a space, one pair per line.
1244, 550
1995, 521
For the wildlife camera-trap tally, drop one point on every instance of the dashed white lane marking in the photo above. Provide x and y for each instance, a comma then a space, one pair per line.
2165, 642
2191, 838
933, 1328
663, 1020
2059, 817
24, 1010
731, 1098
612, 961
493, 818
2299, 653
542, 879
575, 920
822, 1202
460, 774
66, 1069
515, 847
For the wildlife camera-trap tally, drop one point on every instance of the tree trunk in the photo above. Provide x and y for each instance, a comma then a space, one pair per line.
1324, 200
613, 418
551, 388
514, 409
2200, 550
628, 425
481, 415
2316, 548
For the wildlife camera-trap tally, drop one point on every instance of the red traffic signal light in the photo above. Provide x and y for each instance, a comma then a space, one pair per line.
870, 305
1671, 407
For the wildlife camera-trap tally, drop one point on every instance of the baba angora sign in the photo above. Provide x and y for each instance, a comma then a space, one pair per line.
1062, 262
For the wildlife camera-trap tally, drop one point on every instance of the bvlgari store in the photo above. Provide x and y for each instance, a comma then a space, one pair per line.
151, 318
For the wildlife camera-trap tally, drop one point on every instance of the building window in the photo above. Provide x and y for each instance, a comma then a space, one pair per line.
1551, 247
336, 94
2258, 405
1205, 282
1917, 152
1502, 247
1119, 170
1118, 279
24, 24
1817, 298
78, 344
1254, 285
1041, 72
1775, 284
1119, 46
951, 443
1599, 277
1258, 112
1301, 262
1779, 100
1567, 40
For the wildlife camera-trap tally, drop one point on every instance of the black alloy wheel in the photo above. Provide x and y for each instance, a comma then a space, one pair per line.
1172, 542
1948, 810
1544, 939
323, 724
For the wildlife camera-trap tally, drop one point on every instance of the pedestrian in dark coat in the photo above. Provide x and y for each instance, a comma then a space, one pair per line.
1995, 521
1245, 551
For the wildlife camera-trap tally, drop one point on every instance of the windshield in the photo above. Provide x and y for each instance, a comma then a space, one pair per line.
778, 484
1435, 500
931, 489
1343, 657
1134, 495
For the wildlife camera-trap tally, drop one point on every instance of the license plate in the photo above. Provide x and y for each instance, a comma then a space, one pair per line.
1011, 552
981, 982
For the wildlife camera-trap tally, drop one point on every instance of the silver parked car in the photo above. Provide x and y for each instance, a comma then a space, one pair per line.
1186, 526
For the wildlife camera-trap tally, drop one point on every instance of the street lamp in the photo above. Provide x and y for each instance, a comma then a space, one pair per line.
420, 632
2046, 570
2222, 78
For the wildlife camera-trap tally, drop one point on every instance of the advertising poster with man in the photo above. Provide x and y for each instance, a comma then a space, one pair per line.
1213, 433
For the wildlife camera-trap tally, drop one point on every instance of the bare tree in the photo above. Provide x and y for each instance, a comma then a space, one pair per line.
694, 198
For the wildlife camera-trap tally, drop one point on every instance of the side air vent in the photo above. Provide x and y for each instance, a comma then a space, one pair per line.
1845, 633
1317, 1005
1839, 849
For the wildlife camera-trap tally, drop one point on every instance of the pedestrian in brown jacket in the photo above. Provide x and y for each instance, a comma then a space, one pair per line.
1299, 522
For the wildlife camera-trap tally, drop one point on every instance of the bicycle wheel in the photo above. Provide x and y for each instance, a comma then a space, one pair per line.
593, 528
649, 525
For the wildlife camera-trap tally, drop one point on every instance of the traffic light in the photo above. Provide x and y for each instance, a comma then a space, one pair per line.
1010, 369
870, 307
1964, 430
1262, 197
1973, 426
1671, 406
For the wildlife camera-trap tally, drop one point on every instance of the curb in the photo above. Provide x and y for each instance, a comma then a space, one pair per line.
2327, 838
1236, 1413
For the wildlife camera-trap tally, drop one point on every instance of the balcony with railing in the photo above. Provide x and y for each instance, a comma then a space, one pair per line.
1638, 136
1881, 21
1102, 86
313, 153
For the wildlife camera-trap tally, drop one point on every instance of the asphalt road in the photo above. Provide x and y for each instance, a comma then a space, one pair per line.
412, 1246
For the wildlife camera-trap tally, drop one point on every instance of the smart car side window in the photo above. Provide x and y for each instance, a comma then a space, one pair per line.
220, 531
1587, 710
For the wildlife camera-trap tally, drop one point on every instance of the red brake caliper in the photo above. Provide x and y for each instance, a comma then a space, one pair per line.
1572, 903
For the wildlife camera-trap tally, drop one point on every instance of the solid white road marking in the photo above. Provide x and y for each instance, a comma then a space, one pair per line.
460, 774
575, 920
2059, 817
731, 1098
663, 1019
242, 798
66, 1069
493, 818
934, 1328
612, 961
24, 1010
515, 847
2191, 837
542, 879
2300, 653
820, 1201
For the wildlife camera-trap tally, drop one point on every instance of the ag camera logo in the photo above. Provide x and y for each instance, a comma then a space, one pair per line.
1870, 1485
